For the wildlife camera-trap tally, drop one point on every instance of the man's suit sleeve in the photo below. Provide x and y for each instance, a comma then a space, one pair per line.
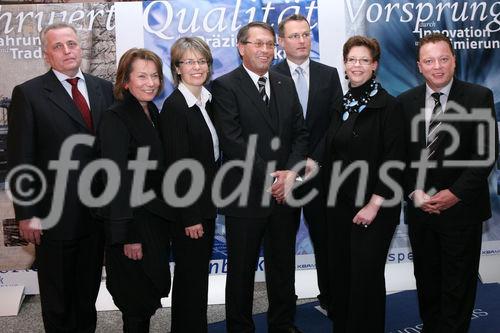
334, 108
109, 97
337, 94
472, 179
300, 135
230, 131
21, 145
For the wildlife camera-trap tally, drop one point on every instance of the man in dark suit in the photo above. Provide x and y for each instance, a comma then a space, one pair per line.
448, 207
320, 93
45, 111
252, 103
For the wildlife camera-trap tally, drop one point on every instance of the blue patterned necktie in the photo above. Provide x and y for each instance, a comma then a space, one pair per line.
302, 90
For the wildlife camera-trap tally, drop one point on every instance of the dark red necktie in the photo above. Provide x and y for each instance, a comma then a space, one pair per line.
81, 103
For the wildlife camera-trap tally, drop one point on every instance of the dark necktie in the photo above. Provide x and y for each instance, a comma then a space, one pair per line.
435, 122
81, 103
262, 89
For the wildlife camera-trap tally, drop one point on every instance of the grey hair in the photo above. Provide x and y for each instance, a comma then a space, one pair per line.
54, 26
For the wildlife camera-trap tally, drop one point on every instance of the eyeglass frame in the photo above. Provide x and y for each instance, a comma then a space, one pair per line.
259, 44
191, 62
362, 61
297, 36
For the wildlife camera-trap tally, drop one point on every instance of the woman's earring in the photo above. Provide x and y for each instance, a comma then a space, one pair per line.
346, 77
374, 76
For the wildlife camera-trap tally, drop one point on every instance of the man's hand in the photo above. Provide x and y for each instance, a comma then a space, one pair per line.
285, 179
133, 251
420, 200
442, 200
31, 230
194, 231
312, 168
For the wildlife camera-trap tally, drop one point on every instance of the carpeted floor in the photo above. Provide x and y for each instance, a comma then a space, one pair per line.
402, 315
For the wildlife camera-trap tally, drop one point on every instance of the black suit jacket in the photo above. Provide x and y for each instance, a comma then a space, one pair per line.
186, 135
470, 184
377, 137
124, 129
240, 113
325, 98
42, 116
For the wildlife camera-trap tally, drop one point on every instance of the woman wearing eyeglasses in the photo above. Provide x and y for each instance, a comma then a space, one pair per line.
189, 139
365, 135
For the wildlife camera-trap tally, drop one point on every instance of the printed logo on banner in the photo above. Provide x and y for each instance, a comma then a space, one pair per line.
490, 252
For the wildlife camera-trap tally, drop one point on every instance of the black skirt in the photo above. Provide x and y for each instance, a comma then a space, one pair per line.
138, 285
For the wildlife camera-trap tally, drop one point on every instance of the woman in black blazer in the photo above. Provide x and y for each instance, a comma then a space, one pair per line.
137, 233
189, 138
366, 132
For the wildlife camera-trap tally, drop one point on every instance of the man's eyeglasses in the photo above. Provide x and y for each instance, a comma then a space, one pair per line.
258, 44
190, 62
304, 35
362, 61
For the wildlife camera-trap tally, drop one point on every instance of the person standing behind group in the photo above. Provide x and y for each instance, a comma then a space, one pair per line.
320, 93
253, 102
137, 234
446, 213
189, 136
367, 131
44, 113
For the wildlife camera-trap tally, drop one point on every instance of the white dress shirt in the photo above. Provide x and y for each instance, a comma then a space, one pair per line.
67, 86
191, 100
256, 77
305, 67
429, 102
429, 107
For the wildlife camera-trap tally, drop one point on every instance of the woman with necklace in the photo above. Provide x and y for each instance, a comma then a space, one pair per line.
189, 138
364, 135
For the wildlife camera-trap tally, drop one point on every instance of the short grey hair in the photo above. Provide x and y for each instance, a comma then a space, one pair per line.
54, 26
